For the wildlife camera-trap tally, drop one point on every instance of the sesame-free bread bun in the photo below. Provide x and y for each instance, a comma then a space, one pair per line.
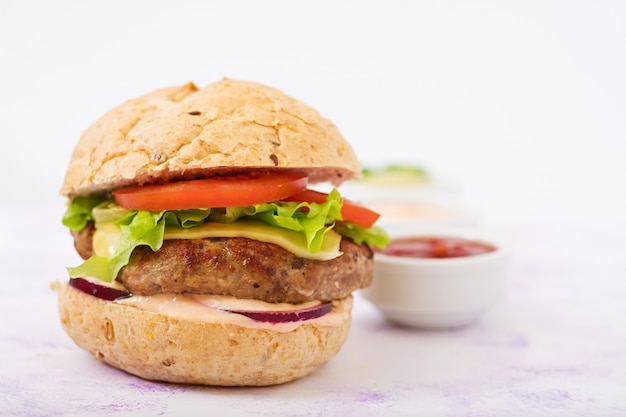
188, 132
158, 347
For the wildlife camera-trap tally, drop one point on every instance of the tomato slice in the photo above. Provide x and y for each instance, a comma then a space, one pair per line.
351, 211
228, 191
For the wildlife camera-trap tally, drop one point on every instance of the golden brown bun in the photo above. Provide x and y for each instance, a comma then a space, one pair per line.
186, 132
162, 348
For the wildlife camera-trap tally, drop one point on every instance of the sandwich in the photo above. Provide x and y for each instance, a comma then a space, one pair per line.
211, 253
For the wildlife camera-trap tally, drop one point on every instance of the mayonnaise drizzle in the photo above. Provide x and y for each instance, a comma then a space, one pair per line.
210, 309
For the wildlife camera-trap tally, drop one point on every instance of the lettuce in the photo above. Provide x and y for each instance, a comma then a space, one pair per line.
148, 227
138, 228
374, 236
79, 212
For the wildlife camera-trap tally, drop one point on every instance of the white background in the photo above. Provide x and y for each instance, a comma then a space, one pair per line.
522, 104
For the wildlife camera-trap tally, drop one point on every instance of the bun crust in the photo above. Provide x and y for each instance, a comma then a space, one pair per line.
185, 132
163, 348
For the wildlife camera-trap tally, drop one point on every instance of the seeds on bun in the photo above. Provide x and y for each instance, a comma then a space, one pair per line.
159, 346
185, 132
208, 256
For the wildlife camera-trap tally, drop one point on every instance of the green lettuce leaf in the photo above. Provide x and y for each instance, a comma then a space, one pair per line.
374, 236
80, 212
138, 228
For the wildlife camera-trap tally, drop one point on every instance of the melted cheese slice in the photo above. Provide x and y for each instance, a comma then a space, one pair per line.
106, 238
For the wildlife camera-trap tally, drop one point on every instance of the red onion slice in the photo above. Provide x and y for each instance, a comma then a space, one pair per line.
288, 316
274, 316
97, 290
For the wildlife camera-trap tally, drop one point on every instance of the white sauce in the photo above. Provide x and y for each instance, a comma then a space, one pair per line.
207, 308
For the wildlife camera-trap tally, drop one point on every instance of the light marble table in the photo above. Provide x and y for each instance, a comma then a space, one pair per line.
556, 346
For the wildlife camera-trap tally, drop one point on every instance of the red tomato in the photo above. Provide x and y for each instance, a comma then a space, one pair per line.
351, 211
229, 191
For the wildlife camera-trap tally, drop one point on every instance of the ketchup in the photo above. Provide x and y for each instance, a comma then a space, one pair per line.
435, 247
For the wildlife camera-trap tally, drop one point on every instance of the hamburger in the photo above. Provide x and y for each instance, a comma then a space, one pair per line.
208, 254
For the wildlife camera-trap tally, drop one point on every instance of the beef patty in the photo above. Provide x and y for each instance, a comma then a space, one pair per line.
242, 268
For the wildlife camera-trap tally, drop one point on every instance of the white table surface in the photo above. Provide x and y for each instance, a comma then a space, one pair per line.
556, 346
523, 103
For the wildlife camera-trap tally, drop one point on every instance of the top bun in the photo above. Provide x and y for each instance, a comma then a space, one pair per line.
186, 132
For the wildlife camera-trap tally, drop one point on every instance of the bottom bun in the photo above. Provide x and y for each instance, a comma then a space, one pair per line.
159, 347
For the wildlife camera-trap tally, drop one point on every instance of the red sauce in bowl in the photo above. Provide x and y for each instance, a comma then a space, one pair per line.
435, 247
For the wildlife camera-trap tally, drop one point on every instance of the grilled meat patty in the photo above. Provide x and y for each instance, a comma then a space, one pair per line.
242, 268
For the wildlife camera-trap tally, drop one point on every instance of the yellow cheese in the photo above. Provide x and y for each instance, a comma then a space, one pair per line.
107, 237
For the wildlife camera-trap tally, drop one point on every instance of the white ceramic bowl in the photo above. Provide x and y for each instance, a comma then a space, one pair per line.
439, 293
